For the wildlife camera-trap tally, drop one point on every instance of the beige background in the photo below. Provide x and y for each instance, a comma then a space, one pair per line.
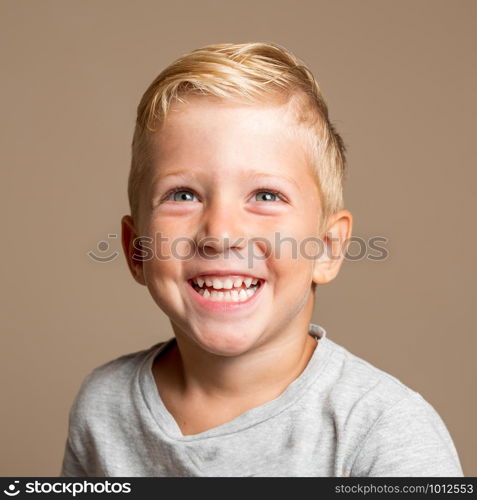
400, 80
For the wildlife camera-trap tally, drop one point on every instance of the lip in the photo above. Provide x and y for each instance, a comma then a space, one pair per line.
236, 273
222, 306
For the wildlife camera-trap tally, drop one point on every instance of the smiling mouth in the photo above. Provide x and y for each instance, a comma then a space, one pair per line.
229, 290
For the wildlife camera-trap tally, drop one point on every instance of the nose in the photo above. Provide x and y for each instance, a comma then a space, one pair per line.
221, 227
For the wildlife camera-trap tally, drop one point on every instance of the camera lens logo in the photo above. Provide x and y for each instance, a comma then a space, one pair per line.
12, 491
103, 246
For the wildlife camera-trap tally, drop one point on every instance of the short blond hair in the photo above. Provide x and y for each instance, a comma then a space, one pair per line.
255, 72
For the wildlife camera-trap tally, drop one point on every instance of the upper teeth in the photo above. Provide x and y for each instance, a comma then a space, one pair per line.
226, 282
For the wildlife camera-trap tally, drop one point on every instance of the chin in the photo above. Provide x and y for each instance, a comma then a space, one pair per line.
226, 343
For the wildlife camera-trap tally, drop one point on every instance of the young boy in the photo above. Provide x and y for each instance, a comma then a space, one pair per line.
236, 217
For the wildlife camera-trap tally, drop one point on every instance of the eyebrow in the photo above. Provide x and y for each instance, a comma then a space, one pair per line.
175, 173
252, 175
259, 175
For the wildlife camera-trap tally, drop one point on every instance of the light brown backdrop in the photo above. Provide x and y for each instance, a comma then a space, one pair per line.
400, 80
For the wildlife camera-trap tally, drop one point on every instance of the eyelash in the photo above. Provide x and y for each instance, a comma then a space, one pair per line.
185, 188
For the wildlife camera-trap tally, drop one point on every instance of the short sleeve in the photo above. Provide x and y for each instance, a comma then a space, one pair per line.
407, 440
75, 455
71, 466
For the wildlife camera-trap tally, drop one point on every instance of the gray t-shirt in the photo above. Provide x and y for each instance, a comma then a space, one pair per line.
340, 417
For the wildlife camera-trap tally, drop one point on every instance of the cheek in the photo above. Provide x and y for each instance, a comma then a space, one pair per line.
166, 254
162, 280
310, 249
297, 244
169, 243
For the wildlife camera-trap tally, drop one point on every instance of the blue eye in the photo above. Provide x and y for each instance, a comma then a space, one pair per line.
184, 195
270, 195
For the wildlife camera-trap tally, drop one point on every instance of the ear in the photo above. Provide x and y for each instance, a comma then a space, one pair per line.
132, 249
335, 239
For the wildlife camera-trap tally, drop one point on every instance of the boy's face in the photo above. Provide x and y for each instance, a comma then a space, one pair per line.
226, 161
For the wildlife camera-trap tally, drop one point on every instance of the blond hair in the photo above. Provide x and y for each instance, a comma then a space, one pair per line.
245, 71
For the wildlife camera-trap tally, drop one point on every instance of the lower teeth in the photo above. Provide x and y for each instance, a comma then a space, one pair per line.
231, 296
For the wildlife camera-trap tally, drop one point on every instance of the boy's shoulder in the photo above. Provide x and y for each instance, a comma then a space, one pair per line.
356, 384
108, 384
348, 385
391, 429
346, 379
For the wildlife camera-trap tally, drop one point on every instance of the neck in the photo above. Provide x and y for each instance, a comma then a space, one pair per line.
262, 373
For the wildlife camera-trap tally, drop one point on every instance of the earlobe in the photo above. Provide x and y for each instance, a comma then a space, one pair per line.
334, 243
128, 238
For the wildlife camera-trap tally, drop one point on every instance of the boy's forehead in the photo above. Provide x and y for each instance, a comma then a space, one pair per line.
221, 143
216, 140
205, 125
